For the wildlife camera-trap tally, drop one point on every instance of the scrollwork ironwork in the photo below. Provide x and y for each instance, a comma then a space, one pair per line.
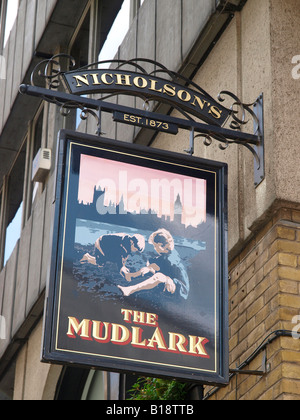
242, 109
238, 113
49, 71
48, 82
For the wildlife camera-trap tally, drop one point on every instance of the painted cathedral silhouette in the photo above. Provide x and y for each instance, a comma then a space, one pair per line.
145, 219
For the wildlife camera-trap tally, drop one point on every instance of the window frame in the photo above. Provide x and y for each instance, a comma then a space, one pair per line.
4, 36
3, 12
5, 203
28, 185
31, 153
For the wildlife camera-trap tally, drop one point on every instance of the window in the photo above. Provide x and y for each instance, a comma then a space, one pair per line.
79, 49
11, 14
34, 137
102, 30
116, 34
36, 145
119, 29
99, 34
80, 44
37, 132
3, 7
12, 206
18, 192
8, 14
13, 233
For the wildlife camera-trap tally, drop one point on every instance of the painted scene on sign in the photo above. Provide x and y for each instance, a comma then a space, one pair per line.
138, 232
138, 279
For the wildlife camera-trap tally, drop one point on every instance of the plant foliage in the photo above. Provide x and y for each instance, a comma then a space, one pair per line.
152, 389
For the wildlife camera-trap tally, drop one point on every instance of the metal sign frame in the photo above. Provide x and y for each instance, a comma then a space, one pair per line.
195, 102
177, 91
176, 325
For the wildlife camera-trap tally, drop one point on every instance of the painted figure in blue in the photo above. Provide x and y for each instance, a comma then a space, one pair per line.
115, 248
166, 268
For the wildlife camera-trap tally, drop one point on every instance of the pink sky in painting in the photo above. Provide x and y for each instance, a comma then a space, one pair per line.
142, 188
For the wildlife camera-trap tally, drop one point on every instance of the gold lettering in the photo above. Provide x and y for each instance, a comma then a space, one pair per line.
197, 345
95, 79
126, 312
200, 102
83, 328
104, 79
136, 82
119, 334
137, 337
177, 342
123, 79
82, 79
135, 119
215, 112
182, 93
157, 340
139, 317
98, 330
152, 319
169, 90
153, 86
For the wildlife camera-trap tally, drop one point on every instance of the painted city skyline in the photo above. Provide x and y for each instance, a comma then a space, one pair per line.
127, 187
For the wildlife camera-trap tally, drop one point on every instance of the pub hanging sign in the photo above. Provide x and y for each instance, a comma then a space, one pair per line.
81, 82
139, 267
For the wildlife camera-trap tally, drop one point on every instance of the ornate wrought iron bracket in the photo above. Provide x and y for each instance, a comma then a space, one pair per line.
181, 94
254, 143
259, 164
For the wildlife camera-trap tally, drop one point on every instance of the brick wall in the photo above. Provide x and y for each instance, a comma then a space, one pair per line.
264, 296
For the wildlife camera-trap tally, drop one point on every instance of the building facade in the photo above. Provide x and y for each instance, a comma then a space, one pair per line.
248, 47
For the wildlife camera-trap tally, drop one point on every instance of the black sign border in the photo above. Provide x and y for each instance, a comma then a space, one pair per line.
51, 355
